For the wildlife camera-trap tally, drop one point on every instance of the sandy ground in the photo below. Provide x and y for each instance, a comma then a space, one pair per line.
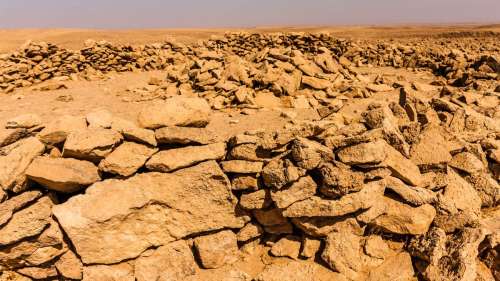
10, 39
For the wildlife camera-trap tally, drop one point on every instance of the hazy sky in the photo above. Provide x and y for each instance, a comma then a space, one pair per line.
239, 13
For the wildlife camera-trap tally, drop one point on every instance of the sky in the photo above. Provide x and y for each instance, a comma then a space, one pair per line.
239, 13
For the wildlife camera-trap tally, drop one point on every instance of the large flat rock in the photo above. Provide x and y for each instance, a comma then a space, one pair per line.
117, 220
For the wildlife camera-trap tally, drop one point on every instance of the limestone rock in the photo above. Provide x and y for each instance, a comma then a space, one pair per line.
249, 231
13, 276
431, 149
62, 174
9, 207
279, 172
100, 118
398, 267
241, 166
91, 144
38, 273
310, 247
260, 199
173, 261
126, 159
364, 153
244, 182
298, 271
303, 189
56, 131
132, 132
217, 250
69, 266
174, 159
25, 121
14, 164
185, 136
9, 136
309, 154
316, 83
116, 272
339, 181
412, 194
467, 162
288, 246
106, 224
176, 111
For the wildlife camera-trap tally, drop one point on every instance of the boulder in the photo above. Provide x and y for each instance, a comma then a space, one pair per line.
217, 250
92, 144
126, 159
56, 131
177, 158
62, 174
176, 111
14, 164
185, 136
106, 224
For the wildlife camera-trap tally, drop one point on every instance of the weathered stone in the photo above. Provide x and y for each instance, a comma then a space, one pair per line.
244, 182
431, 149
279, 173
249, 152
91, 144
300, 190
14, 164
185, 136
309, 154
100, 118
174, 159
126, 159
13, 276
25, 121
62, 174
398, 267
27, 222
38, 273
298, 271
260, 199
339, 181
411, 194
310, 247
249, 231
116, 272
9, 136
487, 188
106, 225
364, 153
320, 227
132, 132
217, 250
241, 166
176, 111
69, 266
288, 246
16, 203
56, 131
270, 217
467, 162
317, 207
173, 261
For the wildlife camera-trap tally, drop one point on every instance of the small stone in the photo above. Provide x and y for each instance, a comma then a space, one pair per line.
270, 217
185, 136
92, 144
364, 153
244, 182
132, 132
126, 159
309, 154
467, 162
288, 246
25, 121
9, 207
69, 266
100, 118
256, 200
55, 132
217, 250
241, 166
9, 136
249, 231
310, 247
300, 190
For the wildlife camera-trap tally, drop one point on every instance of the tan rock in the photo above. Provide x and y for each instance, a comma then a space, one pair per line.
288, 246
9, 136
339, 181
487, 188
69, 266
126, 159
217, 250
298, 271
132, 132
38, 273
244, 182
176, 111
62, 174
185, 136
270, 217
91, 144
317, 207
173, 261
106, 225
300, 190
9, 207
14, 164
13, 276
250, 231
57, 130
100, 118
316, 83
116, 272
398, 267
364, 153
431, 149
309, 154
241, 166
260, 199
174, 159
25, 121
310, 247
467, 162
27, 222
411, 194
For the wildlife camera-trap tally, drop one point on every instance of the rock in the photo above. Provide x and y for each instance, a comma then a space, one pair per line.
116, 272
270, 217
62, 174
279, 173
25, 121
56, 131
27, 222
400, 218
303, 189
487, 188
217, 250
100, 118
398, 267
9, 207
467, 162
310, 247
176, 111
173, 261
260, 199
132, 132
92, 144
414, 195
320, 227
14, 164
174, 159
316, 83
126, 159
244, 182
288, 246
185, 136
379, 87
13, 276
36, 250
39, 272
298, 271
9, 136
3, 195
250, 231
189, 201
309, 154
318, 207
338, 181
432, 148
241, 167
364, 153
69, 266
249, 152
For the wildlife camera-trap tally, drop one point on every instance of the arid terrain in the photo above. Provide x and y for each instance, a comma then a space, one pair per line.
266, 154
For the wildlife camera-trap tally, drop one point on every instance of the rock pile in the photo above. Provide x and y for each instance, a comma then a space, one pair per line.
406, 190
